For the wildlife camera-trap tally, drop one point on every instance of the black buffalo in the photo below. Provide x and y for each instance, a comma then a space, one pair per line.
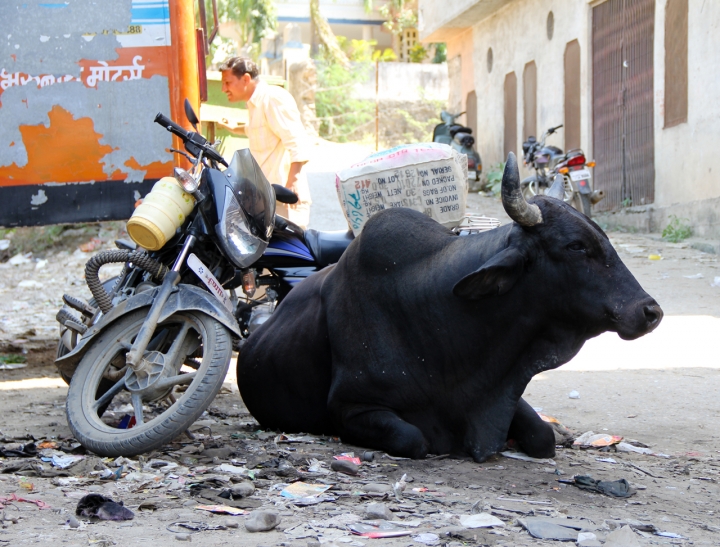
421, 341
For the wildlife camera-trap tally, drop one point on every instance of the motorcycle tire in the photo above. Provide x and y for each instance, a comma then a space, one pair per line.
87, 399
582, 203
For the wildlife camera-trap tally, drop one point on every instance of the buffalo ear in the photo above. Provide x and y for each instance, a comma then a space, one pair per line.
496, 276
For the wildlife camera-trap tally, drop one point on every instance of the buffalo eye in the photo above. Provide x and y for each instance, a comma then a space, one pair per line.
577, 247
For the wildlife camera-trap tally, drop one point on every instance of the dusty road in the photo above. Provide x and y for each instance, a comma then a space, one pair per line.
659, 390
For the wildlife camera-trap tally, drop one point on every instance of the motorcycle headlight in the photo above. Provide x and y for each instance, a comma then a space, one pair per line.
241, 245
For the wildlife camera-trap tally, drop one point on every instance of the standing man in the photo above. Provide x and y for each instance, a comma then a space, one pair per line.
278, 141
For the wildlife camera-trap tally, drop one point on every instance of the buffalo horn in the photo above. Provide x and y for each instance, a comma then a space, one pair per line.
557, 190
522, 212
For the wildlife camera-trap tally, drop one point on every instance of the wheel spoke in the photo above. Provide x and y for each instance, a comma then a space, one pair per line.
108, 395
137, 407
172, 381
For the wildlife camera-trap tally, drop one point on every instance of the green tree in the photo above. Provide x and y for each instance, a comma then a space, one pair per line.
255, 19
398, 16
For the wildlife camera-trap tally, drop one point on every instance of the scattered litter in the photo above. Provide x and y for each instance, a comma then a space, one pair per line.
381, 529
480, 520
543, 529
30, 284
605, 460
655, 257
12, 366
229, 468
716, 282
696, 276
670, 535
72, 522
574, 394
12, 497
20, 259
524, 457
344, 466
399, 486
590, 439
427, 538
299, 490
59, 459
95, 505
193, 526
223, 509
317, 466
619, 488
525, 501
350, 457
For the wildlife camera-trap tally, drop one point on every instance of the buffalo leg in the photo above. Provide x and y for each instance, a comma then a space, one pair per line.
384, 430
534, 436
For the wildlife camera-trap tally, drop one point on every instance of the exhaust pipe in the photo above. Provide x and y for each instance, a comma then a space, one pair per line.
596, 196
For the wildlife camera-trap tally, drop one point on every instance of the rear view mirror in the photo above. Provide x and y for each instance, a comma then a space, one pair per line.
190, 114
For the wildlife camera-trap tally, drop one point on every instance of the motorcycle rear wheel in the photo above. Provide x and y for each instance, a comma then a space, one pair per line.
187, 338
582, 203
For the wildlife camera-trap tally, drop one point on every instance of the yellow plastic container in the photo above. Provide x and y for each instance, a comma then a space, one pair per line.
160, 214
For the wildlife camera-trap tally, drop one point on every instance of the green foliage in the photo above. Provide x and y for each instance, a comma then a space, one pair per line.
12, 358
676, 230
417, 53
440, 53
363, 51
341, 116
494, 177
255, 19
398, 17
627, 202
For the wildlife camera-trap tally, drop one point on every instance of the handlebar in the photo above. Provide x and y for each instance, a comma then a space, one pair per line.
194, 142
553, 129
171, 126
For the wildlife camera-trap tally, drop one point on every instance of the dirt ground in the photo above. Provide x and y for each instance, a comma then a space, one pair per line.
659, 391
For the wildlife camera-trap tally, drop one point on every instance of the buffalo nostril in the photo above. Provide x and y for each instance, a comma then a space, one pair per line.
653, 314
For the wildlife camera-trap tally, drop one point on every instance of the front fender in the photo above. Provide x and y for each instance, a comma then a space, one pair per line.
185, 298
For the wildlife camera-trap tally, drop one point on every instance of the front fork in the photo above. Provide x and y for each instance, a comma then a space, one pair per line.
171, 280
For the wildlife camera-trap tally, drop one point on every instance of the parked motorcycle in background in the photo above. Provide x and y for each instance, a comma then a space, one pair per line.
148, 354
548, 161
460, 138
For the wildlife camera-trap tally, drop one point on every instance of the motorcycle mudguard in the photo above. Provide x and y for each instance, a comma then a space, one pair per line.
582, 186
185, 298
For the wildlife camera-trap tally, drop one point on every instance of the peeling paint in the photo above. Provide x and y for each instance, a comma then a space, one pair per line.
129, 131
39, 198
77, 17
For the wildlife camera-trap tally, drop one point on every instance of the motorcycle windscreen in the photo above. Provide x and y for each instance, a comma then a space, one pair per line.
254, 193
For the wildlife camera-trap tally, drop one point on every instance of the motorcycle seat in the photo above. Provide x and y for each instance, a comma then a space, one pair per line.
455, 129
328, 247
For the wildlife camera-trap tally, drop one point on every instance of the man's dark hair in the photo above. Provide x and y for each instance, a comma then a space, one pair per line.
241, 66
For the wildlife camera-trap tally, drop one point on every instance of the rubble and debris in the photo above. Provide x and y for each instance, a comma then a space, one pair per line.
619, 488
97, 506
262, 521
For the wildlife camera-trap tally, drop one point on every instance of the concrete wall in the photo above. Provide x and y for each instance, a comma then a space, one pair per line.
686, 166
407, 82
460, 50
687, 182
517, 35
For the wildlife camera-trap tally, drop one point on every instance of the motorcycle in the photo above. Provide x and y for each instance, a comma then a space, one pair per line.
460, 138
147, 355
549, 161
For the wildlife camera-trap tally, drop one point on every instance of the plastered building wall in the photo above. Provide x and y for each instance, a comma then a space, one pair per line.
516, 31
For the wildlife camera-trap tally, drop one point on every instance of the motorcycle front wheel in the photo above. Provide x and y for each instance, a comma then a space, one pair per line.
183, 370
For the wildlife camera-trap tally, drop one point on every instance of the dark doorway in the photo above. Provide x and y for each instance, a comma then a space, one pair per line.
572, 95
623, 128
510, 114
471, 112
529, 100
